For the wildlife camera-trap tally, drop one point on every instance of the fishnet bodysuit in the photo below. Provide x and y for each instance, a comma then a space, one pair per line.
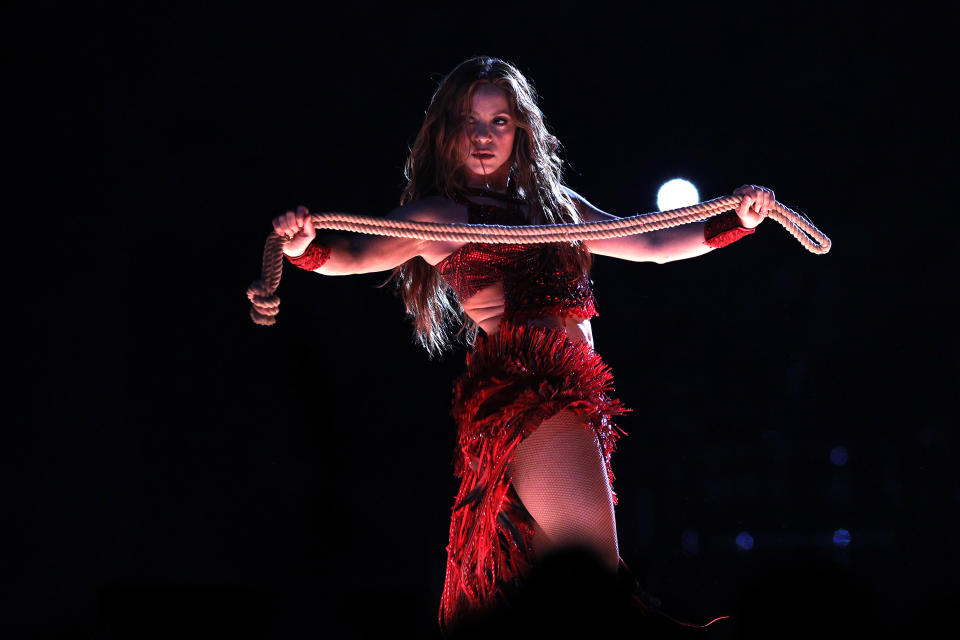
561, 478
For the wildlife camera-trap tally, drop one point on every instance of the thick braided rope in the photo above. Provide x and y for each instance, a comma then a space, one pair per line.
266, 304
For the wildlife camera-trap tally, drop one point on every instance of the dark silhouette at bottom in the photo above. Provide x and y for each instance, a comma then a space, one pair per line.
569, 592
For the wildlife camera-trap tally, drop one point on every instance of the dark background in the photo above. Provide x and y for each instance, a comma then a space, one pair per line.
182, 465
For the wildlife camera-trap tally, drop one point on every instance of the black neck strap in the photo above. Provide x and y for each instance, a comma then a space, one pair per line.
492, 194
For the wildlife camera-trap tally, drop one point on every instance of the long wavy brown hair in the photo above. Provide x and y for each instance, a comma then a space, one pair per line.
436, 166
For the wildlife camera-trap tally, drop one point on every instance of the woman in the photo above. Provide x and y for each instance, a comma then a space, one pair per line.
533, 409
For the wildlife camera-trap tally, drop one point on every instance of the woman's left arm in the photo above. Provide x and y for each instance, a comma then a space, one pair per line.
676, 243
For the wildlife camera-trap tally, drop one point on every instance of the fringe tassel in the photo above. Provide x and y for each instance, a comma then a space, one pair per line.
515, 379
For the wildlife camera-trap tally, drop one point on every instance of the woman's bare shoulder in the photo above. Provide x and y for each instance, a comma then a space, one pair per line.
584, 208
438, 209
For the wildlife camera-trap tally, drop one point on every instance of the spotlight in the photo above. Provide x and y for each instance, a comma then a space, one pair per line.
676, 193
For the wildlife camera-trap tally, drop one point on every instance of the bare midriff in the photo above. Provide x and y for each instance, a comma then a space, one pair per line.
486, 309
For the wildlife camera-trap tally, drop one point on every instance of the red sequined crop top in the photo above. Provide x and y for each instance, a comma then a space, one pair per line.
536, 280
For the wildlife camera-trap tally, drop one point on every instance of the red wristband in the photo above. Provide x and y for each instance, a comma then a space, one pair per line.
724, 229
312, 259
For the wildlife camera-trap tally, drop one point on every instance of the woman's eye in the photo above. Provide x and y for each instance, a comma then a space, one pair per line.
500, 121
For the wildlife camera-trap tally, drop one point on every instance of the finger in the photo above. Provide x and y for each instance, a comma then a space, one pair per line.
758, 199
292, 227
301, 215
281, 224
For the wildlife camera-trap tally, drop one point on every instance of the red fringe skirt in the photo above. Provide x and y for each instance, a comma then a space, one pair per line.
515, 379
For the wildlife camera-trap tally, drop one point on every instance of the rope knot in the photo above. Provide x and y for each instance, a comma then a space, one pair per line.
265, 303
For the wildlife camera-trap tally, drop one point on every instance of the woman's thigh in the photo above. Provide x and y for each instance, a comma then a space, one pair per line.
560, 475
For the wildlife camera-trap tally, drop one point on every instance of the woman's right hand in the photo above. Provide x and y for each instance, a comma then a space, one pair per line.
298, 227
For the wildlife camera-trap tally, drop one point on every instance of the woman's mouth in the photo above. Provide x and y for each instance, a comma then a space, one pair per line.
483, 155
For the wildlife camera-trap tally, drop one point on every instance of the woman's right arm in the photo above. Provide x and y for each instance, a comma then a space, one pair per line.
353, 253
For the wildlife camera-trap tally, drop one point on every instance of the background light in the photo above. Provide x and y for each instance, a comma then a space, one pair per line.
745, 541
689, 542
841, 538
838, 456
676, 193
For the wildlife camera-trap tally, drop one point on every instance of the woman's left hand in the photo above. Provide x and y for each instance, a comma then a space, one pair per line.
756, 204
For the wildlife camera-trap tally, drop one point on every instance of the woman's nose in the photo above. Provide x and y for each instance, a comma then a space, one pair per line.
481, 133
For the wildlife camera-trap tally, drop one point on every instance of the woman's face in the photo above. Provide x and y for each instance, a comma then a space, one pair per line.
489, 134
